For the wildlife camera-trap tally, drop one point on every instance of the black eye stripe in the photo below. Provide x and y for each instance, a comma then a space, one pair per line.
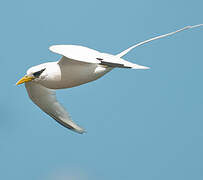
38, 73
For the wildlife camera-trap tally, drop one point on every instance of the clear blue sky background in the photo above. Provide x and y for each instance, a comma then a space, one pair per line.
145, 124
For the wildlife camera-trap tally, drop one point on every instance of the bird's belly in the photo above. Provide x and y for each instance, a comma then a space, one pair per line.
76, 74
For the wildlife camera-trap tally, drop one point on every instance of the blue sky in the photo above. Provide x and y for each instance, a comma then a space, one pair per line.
144, 124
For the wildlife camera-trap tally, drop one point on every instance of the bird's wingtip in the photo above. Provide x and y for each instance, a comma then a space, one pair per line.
81, 131
52, 47
140, 67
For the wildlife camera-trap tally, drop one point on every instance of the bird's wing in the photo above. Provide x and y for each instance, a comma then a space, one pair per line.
114, 61
77, 53
155, 38
46, 99
80, 54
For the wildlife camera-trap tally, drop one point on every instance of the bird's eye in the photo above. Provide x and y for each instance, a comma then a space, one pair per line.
38, 73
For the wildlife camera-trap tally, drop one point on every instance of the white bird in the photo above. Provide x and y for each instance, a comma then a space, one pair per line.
78, 65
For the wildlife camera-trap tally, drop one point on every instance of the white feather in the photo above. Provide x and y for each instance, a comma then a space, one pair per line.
46, 99
155, 38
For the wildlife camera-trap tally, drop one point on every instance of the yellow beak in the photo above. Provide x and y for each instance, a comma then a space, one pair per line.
24, 79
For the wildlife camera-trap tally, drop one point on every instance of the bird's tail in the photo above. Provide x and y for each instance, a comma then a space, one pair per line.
155, 38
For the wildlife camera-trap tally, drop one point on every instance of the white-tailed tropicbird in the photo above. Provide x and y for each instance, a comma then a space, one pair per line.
78, 65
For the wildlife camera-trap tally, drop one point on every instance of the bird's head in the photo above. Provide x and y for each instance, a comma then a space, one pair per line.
35, 73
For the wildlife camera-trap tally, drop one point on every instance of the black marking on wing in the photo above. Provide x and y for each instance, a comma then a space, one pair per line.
110, 64
114, 64
100, 59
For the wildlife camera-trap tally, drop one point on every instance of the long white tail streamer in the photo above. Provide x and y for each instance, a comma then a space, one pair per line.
155, 38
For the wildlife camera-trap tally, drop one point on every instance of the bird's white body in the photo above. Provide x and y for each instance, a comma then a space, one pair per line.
78, 65
72, 74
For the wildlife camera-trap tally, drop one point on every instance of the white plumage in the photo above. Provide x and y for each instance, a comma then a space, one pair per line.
77, 66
